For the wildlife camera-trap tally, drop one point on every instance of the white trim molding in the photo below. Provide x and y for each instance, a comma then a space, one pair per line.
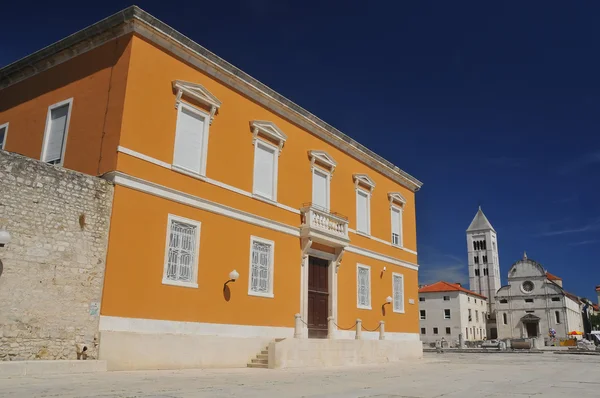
270, 293
381, 257
396, 197
201, 172
398, 310
5, 127
68, 102
270, 130
197, 92
323, 158
155, 326
367, 196
365, 180
270, 148
382, 241
368, 269
397, 209
194, 277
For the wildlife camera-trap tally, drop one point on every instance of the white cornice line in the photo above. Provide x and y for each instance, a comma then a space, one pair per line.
381, 257
174, 195
383, 241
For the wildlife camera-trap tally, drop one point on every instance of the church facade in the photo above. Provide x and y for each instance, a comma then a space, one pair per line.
484, 265
534, 302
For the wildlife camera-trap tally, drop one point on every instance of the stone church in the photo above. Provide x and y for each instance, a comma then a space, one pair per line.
534, 302
484, 265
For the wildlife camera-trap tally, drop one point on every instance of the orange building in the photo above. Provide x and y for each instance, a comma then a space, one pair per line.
217, 177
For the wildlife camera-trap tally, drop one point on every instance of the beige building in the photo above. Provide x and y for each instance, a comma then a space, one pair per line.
448, 310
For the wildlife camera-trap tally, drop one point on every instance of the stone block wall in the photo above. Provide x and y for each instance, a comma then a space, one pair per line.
53, 268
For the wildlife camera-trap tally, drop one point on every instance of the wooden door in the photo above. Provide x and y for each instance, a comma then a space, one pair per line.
318, 297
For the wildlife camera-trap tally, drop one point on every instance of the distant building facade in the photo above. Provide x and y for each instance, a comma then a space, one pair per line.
484, 264
448, 309
533, 302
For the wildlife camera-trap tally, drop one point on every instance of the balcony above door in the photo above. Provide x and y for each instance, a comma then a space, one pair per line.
323, 226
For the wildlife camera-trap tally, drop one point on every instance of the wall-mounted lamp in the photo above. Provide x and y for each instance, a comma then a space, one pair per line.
4, 237
388, 300
233, 276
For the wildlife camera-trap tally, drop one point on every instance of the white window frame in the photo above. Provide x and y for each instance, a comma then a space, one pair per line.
198, 225
423, 316
68, 102
270, 294
401, 237
368, 195
204, 153
446, 298
328, 185
4, 126
368, 268
270, 147
398, 310
449, 313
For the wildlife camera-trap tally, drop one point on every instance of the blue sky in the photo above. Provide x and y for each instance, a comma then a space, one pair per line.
497, 105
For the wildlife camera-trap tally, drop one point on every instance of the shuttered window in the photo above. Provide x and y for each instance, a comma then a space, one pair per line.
191, 139
55, 136
320, 191
261, 267
265, 170
181, 262
362, 211
396, 226
3, 134
398, 291
363, 282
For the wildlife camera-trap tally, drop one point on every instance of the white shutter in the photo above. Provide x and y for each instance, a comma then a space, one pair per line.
189, 140
56, 134
264, 171
396, 226
398, 286
320, 188
362, 205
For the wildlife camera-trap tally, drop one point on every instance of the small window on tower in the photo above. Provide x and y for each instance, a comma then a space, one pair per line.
503, 301
476, 272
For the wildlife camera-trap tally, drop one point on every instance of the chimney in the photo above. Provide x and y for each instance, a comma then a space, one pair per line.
459, 285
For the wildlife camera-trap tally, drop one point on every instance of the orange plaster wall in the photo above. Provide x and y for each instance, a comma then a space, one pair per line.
96, 81
381, 288
150, 112
133, 283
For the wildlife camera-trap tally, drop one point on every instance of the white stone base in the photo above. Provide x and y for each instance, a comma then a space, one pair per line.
145, 351
30, 368
295, 353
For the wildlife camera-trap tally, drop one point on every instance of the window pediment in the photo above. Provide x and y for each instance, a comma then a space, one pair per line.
364, 180
197, 92
323, 158
270, 130
396, 197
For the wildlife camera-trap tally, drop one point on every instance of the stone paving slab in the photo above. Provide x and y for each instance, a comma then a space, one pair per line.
438, 375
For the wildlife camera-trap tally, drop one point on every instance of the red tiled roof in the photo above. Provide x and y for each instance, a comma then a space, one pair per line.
442, 286
595, 307
552, 277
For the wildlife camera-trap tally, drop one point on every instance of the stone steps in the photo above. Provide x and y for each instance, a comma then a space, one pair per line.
262, 359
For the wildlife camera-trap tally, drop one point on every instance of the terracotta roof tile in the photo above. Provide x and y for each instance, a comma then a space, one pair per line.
442, 286
552, 277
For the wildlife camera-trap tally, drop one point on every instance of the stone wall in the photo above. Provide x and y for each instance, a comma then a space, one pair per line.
53, 268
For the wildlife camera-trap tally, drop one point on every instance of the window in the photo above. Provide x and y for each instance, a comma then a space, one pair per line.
555, 298
446, 314
362, 212
527, 287
476, 316
494, 245
485, 271
470, 318
423, 314
55, 135
529, 300
3, 134
435, 330
557, 316
485, 258
476, 259
503, 301
475, 301
320, 189
398, 291
448, 331
191, 140
265, 170
181, 254
396, 226
476, 272
422, 330
467, 332
530, 312
261, 267
422, 299
363, 282
504, 318
446, 298
468, 299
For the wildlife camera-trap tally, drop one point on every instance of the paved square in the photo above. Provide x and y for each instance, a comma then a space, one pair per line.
449, 375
